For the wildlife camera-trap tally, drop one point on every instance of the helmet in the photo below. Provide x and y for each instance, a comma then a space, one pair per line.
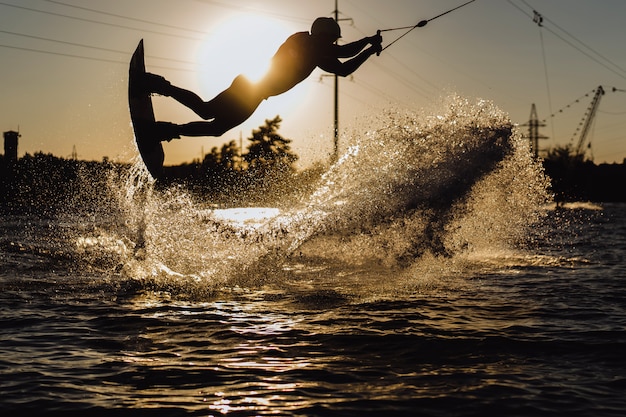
326, 26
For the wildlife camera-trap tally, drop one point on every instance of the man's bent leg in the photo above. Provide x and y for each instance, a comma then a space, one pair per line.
213, 128
191, 100
228, 109
230, 117
159, 85
166, 131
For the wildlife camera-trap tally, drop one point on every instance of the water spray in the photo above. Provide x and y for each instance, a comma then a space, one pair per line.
421, 24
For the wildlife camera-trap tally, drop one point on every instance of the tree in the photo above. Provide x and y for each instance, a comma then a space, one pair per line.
211, 161
266, 171
229, 155
564, 155
569, 173
222, 160
269, 151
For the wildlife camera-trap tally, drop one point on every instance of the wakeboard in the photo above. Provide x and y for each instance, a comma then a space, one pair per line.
142, 115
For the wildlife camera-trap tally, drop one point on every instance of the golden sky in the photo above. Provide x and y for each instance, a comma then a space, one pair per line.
63, 77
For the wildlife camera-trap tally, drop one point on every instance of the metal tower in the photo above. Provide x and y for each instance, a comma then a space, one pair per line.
533, 131
10, 147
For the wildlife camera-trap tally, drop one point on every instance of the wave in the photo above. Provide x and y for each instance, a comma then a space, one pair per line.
458, 179
411, 189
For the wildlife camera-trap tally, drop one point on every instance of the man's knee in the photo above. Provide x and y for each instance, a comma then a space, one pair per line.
218, 129
206, 111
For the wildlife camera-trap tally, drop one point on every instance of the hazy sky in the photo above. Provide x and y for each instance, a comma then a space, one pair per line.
64, 71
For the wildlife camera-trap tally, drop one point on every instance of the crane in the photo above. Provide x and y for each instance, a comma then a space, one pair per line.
588, 119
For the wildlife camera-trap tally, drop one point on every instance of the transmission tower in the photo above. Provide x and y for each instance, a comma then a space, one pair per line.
533, 131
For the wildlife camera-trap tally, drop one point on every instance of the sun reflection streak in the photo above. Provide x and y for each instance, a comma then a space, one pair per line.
255, 399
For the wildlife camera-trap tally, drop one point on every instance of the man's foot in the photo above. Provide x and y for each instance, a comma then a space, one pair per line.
153, 83
165, 131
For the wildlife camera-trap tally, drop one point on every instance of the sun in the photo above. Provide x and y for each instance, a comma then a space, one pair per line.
244, 44
240, 44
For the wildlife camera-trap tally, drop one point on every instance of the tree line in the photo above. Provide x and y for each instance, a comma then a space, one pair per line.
574, 177
262, 174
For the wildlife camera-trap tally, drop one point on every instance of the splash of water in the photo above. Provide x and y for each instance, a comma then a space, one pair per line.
456, 180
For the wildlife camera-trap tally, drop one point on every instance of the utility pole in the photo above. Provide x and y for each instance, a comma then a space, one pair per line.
533, 131
336, 128
336, 125
240, 150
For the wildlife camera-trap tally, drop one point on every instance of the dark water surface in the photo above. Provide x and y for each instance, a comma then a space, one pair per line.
540, 334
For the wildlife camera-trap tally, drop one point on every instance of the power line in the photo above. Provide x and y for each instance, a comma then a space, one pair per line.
539, 19
376, 91
612, 113
255, 10
404, 80
126, 17
580, 42
597, 58
587, 54
420, 89
353, 97
92, 47
62, 54
408, 83
589, 48
391, 70
68, 55
89, 46
30, 9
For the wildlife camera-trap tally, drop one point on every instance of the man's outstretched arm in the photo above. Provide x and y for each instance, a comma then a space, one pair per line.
353, 48
343, 69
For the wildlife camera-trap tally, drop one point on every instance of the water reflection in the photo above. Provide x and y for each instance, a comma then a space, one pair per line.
240, 356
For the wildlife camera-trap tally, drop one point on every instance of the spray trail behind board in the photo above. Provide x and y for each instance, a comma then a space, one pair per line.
457, 180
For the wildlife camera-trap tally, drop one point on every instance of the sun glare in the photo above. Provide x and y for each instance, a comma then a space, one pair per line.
241, 44
244, 44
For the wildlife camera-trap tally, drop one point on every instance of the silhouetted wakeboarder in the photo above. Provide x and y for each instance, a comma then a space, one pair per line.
294, 61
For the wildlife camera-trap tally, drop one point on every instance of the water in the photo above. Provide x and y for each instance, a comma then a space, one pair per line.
428, 274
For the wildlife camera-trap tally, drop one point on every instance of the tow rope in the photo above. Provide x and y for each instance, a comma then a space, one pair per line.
421, 24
